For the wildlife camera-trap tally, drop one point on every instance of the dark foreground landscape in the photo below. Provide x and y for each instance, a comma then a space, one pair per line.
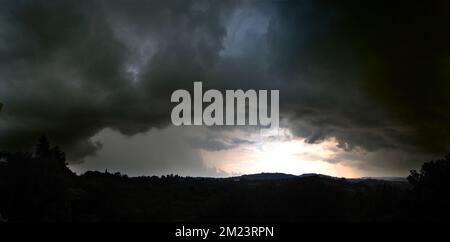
38, 186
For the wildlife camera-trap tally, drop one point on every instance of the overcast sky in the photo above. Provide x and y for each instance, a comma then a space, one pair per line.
364, 85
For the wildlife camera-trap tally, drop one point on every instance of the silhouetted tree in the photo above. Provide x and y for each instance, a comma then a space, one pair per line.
431, 192
43, 148
37, 184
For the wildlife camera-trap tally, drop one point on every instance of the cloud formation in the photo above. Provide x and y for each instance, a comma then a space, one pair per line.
374, 75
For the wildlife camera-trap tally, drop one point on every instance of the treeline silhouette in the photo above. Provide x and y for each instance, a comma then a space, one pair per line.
38, 186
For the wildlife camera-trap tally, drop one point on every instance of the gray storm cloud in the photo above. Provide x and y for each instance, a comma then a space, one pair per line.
374, 77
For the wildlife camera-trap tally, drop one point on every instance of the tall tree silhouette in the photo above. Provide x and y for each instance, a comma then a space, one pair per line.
43, 148
37, 184
431, 191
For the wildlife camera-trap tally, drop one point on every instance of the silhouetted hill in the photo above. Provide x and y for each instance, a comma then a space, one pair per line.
265, 176
397, 181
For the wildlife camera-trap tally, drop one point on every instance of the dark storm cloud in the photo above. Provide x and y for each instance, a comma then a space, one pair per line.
68, 70
373, 74
50, 74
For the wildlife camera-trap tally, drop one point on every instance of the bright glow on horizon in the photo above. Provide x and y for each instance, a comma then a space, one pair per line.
285, 154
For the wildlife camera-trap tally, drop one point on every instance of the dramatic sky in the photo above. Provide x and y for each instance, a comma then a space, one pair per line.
364, 85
